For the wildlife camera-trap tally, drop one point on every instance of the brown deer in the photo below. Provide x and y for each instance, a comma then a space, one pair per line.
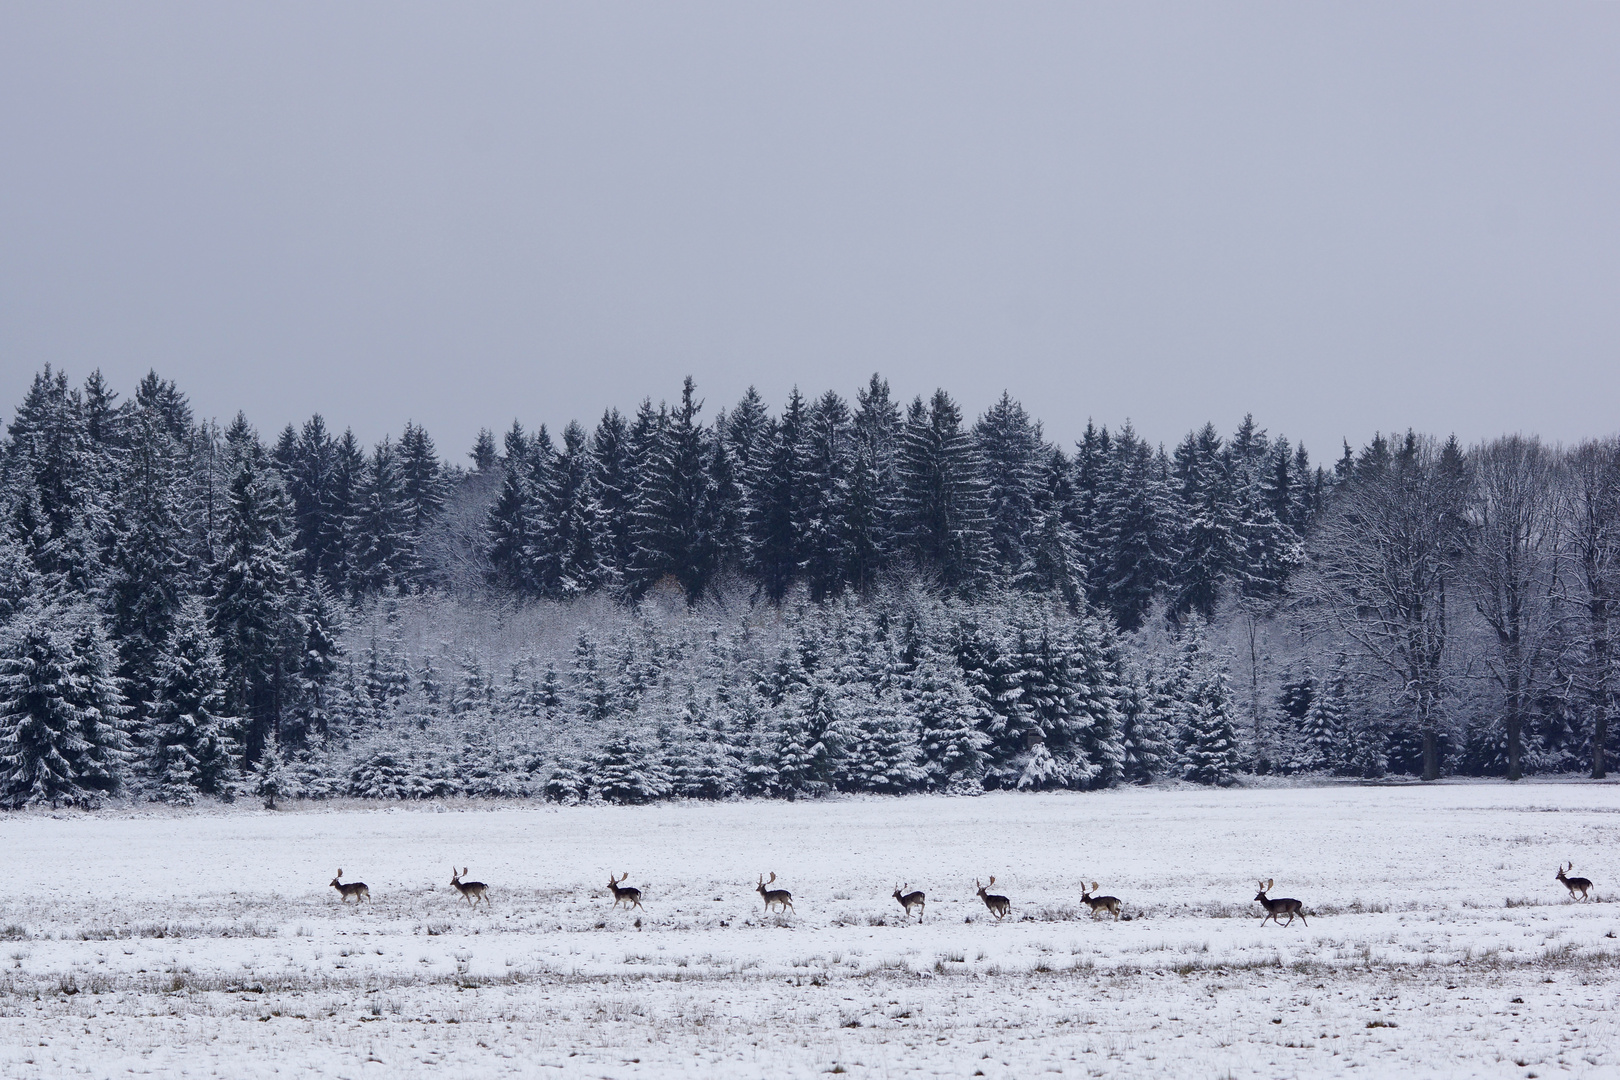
471, 891
1574, 884
627, 897
356, 889
909, 900
998, 905
779, 898
1283, 906
1099, 904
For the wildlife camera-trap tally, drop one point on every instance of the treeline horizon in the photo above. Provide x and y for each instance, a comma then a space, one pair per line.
208, 585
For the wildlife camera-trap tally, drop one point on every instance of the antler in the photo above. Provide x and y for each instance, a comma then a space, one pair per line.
992, 879
1093, 886
340, 871
773, 878
1270, 882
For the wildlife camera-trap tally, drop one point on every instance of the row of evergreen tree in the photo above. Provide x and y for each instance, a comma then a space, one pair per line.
827, 498
184, 607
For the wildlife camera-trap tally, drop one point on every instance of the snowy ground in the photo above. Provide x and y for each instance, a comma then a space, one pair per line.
203, 944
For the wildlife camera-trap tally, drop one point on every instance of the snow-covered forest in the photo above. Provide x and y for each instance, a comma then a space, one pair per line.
829, 596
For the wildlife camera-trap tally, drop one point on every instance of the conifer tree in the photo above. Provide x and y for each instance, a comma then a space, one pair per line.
1209, 750
271, 779
1010, 446
942, 495
822, 504
615, 489
383, 553
870, 507
63, 738
255, 605
673, 531
771, 512
193, 745
628, 768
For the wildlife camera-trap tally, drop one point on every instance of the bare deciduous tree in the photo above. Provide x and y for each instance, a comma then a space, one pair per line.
1383, 567
1513, 537
1593, 528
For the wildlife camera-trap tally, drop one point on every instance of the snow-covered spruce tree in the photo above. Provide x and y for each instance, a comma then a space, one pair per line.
255, 611
150, 569
383, 554
823, 531
885, 753
63, 737
771, 494
949, 719
193, 745
676, 517
1148, 728
270, 778
942, 498
1209, 750
1097, 680
628, 768
1325, 731
1010, 447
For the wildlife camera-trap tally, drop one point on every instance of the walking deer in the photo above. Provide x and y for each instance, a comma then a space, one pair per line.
471, 891
1573, 884
1099, 904
909, 900
627, 897
780, 898
356, 889
998, 905
1281, 906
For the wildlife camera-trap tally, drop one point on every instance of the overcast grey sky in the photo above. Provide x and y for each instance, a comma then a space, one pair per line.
1341, 217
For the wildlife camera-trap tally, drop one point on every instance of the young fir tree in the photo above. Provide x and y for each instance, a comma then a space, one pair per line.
1209, 750
271, 778
1325, 729
63, 736
629, 769
948, 718
194, 750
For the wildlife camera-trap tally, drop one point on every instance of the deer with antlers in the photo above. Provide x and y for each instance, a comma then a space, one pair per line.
1281, 906
471, 891
1100, 904
781, 899
1573, 884
998, 905
356, 889
909, 900
627, 897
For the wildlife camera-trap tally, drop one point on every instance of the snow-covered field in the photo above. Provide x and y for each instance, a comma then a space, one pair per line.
208, 943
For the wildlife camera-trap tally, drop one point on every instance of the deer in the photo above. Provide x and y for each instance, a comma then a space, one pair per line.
627, 897
1284, 906
1573, 884
1099, 904
471, 891
356, 889
998, 905
909, 900
780, 898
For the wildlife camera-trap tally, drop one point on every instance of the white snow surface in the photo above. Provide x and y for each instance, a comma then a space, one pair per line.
149, 942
